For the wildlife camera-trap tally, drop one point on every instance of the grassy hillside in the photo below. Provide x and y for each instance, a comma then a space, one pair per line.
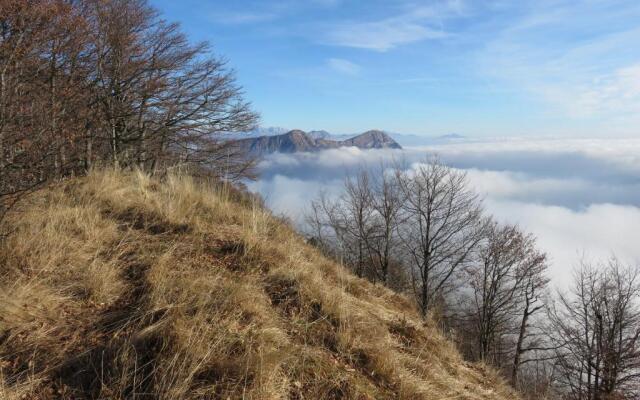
118, 285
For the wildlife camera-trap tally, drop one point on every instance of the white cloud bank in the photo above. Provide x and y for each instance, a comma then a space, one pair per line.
579, 197
597, 232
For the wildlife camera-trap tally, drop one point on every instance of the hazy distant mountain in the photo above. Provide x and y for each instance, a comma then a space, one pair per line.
402, 139
407, 139
299, 141
451, 136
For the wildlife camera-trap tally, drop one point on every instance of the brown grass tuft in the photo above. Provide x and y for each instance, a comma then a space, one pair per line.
119, 285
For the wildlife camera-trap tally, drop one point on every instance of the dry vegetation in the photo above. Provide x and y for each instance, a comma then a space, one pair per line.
118, 285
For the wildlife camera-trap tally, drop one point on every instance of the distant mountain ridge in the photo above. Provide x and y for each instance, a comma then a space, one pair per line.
299, 141
403, 139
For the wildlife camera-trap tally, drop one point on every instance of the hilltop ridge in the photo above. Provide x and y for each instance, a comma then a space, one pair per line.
119, 285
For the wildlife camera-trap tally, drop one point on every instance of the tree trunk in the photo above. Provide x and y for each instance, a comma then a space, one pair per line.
516, 359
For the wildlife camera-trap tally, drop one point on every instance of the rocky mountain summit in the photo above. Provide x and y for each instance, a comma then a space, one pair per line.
372, 140
299, 141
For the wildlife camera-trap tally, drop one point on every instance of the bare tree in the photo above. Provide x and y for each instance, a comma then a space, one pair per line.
440, 227
532, 301
506, 287
508, 262
350, 219
361, 223
110, 81
317, 228
386, 201
328, 228
42, 93
596, 328
355, 219
159, 98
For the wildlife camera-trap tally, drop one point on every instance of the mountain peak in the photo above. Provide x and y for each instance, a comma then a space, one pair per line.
373, 139
374, 132
299, 141
296, 132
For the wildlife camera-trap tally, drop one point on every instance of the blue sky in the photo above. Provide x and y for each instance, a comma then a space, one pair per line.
478, 68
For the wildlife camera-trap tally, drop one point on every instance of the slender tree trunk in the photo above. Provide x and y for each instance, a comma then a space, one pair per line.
520, 344
425, 292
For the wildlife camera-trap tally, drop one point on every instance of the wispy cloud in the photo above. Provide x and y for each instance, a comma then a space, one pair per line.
531, 67
240, 18
414, 25
580, 58
381, 35
262, 11
343, 66
618, 91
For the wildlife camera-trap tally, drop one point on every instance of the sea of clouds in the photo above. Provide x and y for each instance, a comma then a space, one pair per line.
580, 197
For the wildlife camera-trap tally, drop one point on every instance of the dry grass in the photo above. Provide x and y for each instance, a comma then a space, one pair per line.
119, 286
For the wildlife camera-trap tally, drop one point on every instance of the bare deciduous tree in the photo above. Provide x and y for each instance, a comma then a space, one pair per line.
109, 81
506, 287
441, 226
532, 302
160, 99
42, 93
387, 201
503, 278
596, 328
361, 223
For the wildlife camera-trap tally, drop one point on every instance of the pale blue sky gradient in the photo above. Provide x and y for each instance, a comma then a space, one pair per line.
477, 68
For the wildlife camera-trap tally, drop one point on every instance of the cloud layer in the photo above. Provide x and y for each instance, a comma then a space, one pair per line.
580, 197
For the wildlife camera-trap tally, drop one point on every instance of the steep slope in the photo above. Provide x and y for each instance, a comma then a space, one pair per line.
299, 141
119, 286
